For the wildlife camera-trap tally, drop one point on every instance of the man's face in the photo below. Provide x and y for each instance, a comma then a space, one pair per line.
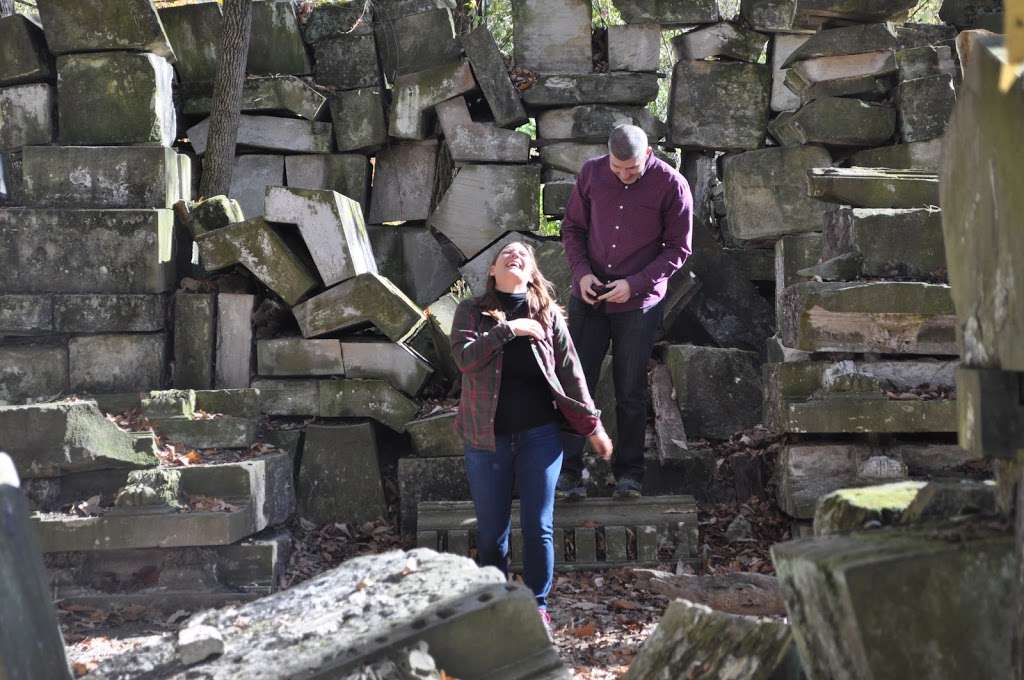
631, 170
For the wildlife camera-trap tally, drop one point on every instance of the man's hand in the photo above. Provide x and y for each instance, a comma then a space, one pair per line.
618, 291
601, 445
527, 327
586, 288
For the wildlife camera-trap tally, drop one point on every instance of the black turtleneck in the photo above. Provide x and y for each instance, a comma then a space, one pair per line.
524, 398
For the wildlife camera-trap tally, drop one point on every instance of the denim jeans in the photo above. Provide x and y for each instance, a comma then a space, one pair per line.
534, 458
631, 335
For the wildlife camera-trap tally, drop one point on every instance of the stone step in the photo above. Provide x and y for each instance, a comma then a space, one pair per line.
848, 510
875, 187
346, 173
226, 432
884, 317
631, 531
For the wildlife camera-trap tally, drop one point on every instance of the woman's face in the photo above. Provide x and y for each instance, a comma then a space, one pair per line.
513, 268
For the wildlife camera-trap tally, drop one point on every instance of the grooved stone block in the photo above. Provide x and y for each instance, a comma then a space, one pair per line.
339, 478
491, 75
415, 94
73, 26
552, 36
272, 133
86, 251
252, 175
117, 363
836, 121
669, 13
593, 123
634, 47
32, 372
719, 105
416, 41
28, 115
289, 397
390, 361
193, 340
348, 61
266, 94
403, 183
331, 226
593, 88
255, 246
375, 399
115, 98
234, 340
367, 298
485, 201
100, 177
720, 40
195, 30
298, 356
108, 313
359, 120
276, 46
719, 391
347, 174
874, 187
24, 57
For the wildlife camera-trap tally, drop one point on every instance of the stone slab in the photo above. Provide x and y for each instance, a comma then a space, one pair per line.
332, 228
403, 184
390, 361
117, 363
766, 192
485, 201
925, 105
552, 36
86, 251
471, 142
195, 30
115, 98
811, 15
875, 187
719, 391
414, 95
271, 133
109, 313
916, 155
718, 105
491, 75
570, 156
252, 175
844, 40
377, 399
783, 45
428, 479
592, 88
267, 94
334, 19
24, 56
634, 47
888, 243
926, 61
878, 505
243, 402
102, 26
26, 314
348, 62
435, 436
255, 246
10, 178
367, 298
339, 477
276, 46
289, 397
29, 116
359, 120
347, 174
194, 325
32, 372
594, 123
408, 43
299, 357
224, 432
100, 177
836, 121
720, 40
669, 13
234, 340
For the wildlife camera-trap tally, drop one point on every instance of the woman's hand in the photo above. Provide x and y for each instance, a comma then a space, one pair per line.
601, 444
527, 327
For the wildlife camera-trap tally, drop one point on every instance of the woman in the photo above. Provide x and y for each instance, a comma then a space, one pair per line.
521, 379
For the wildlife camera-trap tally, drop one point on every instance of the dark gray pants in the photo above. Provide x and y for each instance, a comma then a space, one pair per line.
631, 335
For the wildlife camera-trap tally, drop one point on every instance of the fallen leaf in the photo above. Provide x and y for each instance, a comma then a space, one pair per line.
584, 631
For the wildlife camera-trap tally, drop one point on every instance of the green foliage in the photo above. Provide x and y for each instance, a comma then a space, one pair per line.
926, 12
499, 21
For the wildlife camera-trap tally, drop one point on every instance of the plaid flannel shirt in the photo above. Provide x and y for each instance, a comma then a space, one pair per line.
477, 342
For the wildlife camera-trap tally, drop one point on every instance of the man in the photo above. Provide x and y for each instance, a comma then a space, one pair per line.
626, 231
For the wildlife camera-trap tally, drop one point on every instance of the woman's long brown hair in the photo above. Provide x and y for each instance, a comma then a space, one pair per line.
540, 298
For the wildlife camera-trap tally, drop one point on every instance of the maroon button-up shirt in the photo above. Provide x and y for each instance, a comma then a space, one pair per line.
640, 232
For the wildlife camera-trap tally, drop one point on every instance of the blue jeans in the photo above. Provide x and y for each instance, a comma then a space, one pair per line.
534, 457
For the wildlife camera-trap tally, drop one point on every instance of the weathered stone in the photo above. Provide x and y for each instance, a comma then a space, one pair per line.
414, 95
49, 440
916, 155
845, 40
718, 105
31, 641
347, 174
552, 36
214, 213
634, 47
555, 196
100, 26
668, 13
885, 317
485, 201
945, 500
835, 121
367, 298
855, 74
393, 362
252, 175
158, 487
980, 195
570, 156
810, 15
766, 192
718, 390
720, 40
869, 584
243, 402
593, 123
28, 115
276, 46
193, 340
492, 77
925, 105
339, 478
416, 42
255, 246
886, 243
403, 185
108, 313
86, 251
359, 121
26, 314
234, 340
32, 372
470, 142
115, 98
267, 94
435, 436
593, 88
101, 177
990, 413
348, 62
916, 34
165, 404
428, 479
274, 134
425, 272
692, 636
336, 19
377, 399
289, 397
783, 45
297, 356
24, 57
875, 187
925, 61
331, 226
198, 643
224, 432
849, 510
195, 30
968, 14
10, 178
116, 363
758, 263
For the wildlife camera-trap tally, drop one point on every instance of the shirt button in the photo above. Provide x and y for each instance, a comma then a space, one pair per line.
613, 245
609, 266
616, 226
620, 207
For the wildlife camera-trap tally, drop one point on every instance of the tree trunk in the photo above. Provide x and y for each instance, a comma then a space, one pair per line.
233, 51
6, 8
736, 593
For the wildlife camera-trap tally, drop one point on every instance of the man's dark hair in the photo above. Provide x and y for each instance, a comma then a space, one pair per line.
627, 142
